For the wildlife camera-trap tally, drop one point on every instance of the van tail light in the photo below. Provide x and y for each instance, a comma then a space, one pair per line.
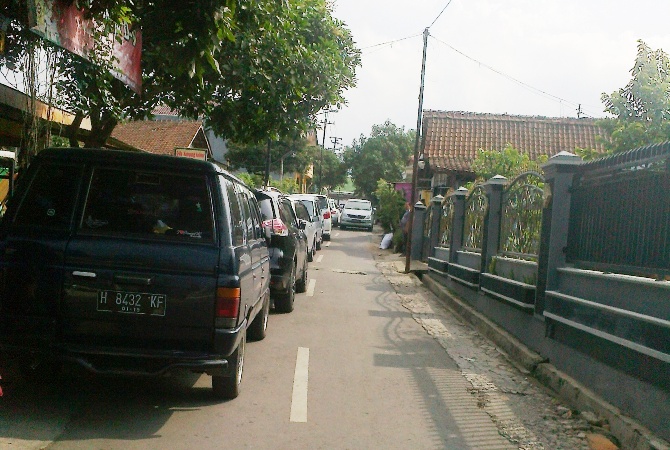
277, 226
326, 215
227, 303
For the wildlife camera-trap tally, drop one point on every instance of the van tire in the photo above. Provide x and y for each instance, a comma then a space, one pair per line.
258, 328
228, 387
301, 284
284, 302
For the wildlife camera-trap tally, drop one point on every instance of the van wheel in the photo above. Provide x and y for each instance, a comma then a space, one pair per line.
258, 328
228, 387
301, 284
318, 243
284, 303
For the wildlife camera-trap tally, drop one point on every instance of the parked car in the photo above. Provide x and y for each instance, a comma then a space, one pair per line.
334, 212
308, 224
324, 210
312, 206
132, 263
357, 213
288, 249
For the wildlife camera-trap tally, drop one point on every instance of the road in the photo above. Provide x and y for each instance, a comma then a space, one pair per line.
367, 360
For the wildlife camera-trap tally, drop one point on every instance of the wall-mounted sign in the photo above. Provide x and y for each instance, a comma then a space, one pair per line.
195, 153
61, 22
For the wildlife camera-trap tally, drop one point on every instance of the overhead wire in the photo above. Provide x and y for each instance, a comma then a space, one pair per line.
513, 79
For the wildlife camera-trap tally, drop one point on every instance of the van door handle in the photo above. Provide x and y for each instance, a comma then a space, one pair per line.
128, 279
78, 273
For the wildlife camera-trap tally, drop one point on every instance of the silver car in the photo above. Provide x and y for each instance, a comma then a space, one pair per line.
357, 213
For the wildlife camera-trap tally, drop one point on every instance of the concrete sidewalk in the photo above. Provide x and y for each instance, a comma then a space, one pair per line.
629, 433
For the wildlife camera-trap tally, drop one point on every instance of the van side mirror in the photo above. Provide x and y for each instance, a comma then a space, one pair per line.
302, 224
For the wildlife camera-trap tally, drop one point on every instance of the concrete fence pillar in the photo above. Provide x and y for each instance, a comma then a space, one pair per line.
458, 223
559, 173
436, 206
417, 231
491, 234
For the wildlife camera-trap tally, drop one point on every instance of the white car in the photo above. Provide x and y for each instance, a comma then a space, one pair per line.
311, 203
334, 212
310, 222
357, 213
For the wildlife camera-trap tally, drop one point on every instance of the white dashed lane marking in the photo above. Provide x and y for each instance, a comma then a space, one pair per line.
300, 379
319, 258
327, 244
310, 287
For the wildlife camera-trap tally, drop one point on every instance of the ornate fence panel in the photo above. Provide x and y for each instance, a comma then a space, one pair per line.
620, 213
476, 206
446, 221
521, 220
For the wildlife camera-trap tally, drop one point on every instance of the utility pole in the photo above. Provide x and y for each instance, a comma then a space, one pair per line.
335, 141
415, 163
323, 145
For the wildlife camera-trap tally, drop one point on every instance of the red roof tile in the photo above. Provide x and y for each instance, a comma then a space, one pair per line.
452, 139
157, 136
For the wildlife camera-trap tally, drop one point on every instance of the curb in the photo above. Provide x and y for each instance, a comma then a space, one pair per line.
631, 434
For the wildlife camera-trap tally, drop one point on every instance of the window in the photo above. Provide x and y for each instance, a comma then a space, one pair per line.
301, 211
286, 213
162, 205
236, 223
50, 199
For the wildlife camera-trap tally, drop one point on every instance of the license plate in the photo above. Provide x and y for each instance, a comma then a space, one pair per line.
132, 302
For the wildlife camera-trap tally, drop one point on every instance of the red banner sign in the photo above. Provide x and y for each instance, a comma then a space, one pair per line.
62, 23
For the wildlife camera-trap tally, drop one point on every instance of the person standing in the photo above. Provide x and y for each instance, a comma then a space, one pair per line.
404, 226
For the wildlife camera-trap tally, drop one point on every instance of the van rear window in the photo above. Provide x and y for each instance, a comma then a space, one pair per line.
49, 201
148, 203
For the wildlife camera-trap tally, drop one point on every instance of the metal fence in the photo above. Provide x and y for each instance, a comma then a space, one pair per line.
446, 220
476, 207
521, 217
620, 214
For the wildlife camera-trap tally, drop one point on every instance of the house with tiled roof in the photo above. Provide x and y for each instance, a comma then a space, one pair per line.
162, 137
451, 140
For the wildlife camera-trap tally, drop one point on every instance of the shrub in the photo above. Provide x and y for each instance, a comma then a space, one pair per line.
391, 206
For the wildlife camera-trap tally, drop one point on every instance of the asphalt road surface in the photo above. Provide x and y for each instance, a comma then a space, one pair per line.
352, 367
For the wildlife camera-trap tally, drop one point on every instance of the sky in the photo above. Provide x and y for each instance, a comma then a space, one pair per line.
520, 57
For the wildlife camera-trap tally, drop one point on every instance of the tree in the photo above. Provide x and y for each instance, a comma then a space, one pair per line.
508, 162
287, 62
382, 155
391, 206
253, 158
641, 109
257, 69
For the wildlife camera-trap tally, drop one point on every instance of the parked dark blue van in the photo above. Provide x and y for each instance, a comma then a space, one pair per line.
132, 263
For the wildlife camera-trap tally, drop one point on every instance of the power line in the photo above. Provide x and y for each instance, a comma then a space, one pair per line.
515, 80
390, 42
438, 16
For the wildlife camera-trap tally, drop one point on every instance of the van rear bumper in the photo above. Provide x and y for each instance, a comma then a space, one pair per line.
125, 361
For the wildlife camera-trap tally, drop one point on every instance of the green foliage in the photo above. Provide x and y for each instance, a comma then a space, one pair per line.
253, 157
391, 206
250, 179
257, 69
287, 185
588, 154
641, 109
508, 162
381, 156
287, 62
